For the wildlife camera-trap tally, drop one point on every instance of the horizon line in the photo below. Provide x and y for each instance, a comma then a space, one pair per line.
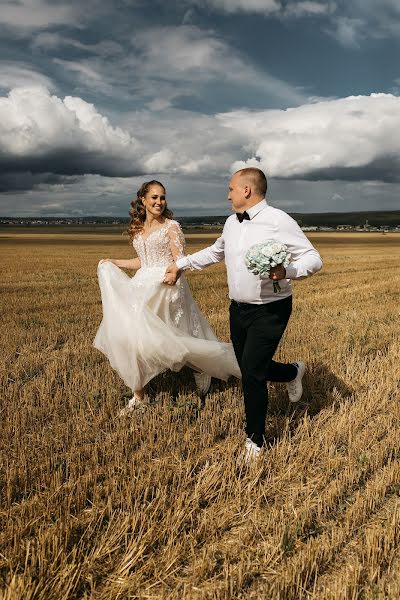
89, 216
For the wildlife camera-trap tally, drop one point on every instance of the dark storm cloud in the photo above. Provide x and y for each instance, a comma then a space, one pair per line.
70, 162
385, 169
19, 181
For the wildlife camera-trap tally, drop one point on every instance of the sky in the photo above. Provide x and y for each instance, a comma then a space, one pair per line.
97, 97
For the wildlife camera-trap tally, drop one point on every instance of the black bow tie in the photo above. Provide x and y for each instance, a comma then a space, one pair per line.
242, 216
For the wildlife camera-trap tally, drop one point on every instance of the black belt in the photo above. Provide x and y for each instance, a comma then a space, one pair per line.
243, 304
247, 305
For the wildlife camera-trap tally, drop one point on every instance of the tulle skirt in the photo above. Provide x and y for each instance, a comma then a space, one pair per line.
149, 327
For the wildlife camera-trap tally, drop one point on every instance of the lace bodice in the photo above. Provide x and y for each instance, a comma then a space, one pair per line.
162, 246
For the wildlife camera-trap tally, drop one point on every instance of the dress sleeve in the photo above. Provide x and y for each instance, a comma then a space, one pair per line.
176, 240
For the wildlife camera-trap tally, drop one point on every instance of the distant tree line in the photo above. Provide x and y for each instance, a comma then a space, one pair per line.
331, 219
374, 218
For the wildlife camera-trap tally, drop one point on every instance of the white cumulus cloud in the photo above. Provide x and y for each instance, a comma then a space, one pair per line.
42, 133
349, 138
48, 140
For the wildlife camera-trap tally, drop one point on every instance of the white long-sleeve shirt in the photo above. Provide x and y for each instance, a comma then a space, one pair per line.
266, 223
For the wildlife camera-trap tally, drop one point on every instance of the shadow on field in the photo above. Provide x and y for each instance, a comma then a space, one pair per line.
321, 389
182, 385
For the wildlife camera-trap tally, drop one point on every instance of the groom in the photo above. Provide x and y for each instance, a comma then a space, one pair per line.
258, 316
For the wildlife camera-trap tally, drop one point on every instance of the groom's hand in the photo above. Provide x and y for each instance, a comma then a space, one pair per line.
277, 273
172, 274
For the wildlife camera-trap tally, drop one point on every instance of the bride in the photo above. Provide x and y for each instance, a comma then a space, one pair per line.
150, 325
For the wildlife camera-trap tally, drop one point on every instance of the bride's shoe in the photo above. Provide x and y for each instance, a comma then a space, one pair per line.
203, 382
132, 405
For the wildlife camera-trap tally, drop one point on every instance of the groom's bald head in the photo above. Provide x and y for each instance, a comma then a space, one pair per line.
254, 178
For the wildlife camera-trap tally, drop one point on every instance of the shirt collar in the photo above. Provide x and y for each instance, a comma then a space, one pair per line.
254, 210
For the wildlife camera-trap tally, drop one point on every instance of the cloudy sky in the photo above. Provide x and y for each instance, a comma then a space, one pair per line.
96, 97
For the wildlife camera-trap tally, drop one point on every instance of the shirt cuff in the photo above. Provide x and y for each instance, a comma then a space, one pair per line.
291, 272
183, 263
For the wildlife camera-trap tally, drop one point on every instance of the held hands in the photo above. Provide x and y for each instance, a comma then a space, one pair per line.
277, 273
172, 274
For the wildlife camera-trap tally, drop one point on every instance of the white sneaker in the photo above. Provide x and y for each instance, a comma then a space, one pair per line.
132, 405
203, 382
252, 451
295, 387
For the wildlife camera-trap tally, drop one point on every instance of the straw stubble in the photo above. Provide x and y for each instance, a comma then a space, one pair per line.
159, 505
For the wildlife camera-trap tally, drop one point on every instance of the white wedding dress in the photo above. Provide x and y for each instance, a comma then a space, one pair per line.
148, 326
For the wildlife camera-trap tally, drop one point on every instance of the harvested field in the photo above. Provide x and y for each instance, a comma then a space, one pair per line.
157, 505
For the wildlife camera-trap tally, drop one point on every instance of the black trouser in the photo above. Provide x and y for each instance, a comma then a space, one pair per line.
256, 330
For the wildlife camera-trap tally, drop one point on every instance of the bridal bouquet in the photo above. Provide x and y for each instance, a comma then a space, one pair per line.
260, 258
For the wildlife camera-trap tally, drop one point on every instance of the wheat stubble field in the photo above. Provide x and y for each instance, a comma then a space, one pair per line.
157, 505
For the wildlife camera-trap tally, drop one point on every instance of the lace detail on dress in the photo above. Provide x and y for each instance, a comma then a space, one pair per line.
176, 306
195, 324
177, 239
160, 247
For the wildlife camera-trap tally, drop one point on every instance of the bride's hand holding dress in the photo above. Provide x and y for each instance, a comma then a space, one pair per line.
130, 263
